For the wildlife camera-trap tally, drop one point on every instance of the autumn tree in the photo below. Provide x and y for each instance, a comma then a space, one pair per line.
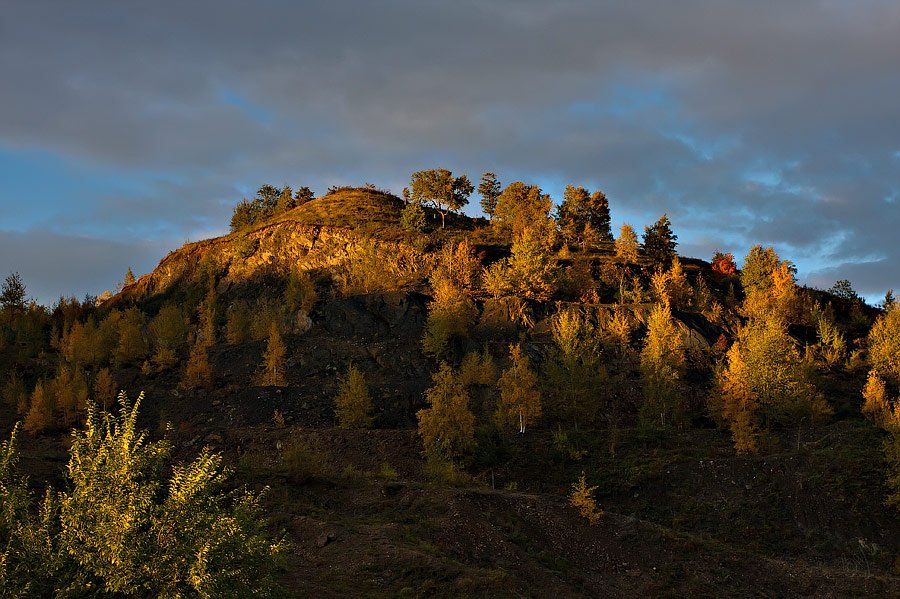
574, 374
237, 327
671, 286
520, 396
759, 264
627, 244
779, 299
662, 365
723, 264
765, 381
529, 272
884, 345
197, 371
447, 426
519, 207
132, 345
489, 190
582, 498
452, 311
40, 416
441, 189
303, 195
660, 241
105, 389
274, 363
285, 200
353, 404
129, 277
876, 402
413, 218
169, 331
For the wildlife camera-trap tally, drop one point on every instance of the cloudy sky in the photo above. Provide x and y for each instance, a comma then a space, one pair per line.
127, 128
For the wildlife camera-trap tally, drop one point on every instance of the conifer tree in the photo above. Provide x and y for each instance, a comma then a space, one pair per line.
884, 345
237, 329
520, 397
12, 293
876, 404
274, 362
209, 318
489, 190
105, 391
662, 362
132, 345
660, 241
197, 371
40, 412
447, 426
303, 195
888, 301
353, 404
451, 314
129, 277
627, 244
286, 200
529, 272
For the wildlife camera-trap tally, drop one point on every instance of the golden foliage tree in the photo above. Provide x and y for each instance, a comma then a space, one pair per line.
40, 412
170, 332
451, 314
662, 363
478, 369
519, 207
353, 404
447, 426
529, 272
520, 396
274, 364
197, 371
876, 403
884, 345
574, 373
582, 498
766, 380
627, 244
131, 346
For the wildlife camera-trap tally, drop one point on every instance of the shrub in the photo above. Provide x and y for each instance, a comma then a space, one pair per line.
120, 528
582, 498
412, 218
353, 404
300, 462
274, 364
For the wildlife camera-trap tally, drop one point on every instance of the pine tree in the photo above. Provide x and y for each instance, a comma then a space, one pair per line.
888, 301
447, 426
12, 293
627, 244
197, 371
129, 277
286, 200
876, 404
274, 363
303, 195
489, 190
520, 397
353, 404
660, 241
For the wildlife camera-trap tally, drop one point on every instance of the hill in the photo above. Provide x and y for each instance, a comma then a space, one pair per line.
368, 513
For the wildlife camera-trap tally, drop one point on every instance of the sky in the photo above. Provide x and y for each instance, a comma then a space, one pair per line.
128, 128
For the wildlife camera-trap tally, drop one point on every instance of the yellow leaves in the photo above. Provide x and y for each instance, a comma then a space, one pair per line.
582, 498
274, 364
447, 426
353, 404
520, 396
877, 405
884, 345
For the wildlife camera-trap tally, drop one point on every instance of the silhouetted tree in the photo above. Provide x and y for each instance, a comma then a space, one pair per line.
582, 213
12, 293
660, 241
129, 277
303, 195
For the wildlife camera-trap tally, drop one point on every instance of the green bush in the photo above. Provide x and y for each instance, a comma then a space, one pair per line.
120, 527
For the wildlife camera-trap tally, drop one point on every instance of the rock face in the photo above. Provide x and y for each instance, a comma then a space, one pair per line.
323, 233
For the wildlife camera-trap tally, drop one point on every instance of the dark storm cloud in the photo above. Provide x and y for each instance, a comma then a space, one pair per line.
766, 121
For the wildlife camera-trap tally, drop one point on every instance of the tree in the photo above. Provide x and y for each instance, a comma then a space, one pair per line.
105, 391
520, 397
274, 363
412, 218
245, 214
41, 408
129, 277
237, 328
197, 372
519, 207
303, 195
530, 271
170, 332
723, 264
582, 211
121, 527
285, 200
582, 498
447, 426
489, 190
451, 314
889, 300
131, 344
627, 244
209, 317
759, 264
876, 404
353, 404
766, 380
574, 373
844, 290
441, 189
662, 363
660, 241
884, 345
12, 293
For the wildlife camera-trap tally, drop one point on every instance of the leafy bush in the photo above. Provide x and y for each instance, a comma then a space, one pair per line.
122, 528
